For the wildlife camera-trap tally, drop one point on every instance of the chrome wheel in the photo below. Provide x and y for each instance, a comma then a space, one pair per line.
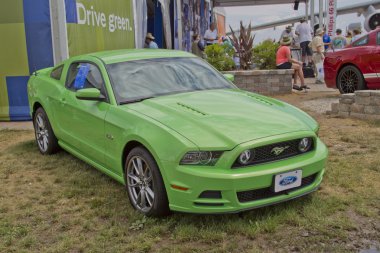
140, 184
42, 133
349, 81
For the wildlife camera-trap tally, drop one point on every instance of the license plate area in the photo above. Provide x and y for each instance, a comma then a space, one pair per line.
287, 180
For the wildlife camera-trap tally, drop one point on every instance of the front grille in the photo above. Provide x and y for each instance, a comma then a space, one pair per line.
265, 154
264, 193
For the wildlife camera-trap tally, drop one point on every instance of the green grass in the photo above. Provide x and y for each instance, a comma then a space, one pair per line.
60, 204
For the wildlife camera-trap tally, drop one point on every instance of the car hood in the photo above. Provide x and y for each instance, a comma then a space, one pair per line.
222, 119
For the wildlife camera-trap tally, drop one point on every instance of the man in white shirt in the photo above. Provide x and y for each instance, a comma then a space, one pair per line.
288, 32
211, 35
305, 33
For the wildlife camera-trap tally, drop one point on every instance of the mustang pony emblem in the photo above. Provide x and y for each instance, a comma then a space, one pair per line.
278, 150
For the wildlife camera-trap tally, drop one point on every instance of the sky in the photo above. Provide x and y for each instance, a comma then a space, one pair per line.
269, 13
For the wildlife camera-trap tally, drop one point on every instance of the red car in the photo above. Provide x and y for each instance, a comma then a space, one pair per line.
356, 67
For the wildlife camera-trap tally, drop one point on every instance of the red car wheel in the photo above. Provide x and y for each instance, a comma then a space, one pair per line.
350, 79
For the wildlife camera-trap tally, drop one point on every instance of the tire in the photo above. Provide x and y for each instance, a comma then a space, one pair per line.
46, 140
145, 187
350, 79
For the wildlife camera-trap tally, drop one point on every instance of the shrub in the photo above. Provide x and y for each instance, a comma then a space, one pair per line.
220, 56
243, 44
264, 54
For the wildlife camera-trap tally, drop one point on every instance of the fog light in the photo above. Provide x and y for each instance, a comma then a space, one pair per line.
304, 145
246, 156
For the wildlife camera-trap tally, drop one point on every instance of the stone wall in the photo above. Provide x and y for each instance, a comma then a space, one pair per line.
266, 82
364, 104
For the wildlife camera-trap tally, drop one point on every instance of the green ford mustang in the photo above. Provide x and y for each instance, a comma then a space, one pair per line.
177, 133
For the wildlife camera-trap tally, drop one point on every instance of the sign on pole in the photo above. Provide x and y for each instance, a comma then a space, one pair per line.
331, 17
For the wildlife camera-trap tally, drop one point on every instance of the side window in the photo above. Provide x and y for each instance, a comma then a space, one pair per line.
378, 38
361, 42
56, 73
84, 75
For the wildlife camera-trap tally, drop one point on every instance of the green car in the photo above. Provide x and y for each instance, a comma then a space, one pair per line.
176, 132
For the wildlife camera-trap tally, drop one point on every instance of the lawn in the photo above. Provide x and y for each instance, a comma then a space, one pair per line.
59, 204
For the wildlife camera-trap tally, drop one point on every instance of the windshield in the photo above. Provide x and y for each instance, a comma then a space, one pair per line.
136, 80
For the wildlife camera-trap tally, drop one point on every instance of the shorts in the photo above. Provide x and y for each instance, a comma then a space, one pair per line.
285, 65
306, 50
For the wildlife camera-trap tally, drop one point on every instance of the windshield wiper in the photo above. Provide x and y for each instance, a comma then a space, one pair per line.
135, 100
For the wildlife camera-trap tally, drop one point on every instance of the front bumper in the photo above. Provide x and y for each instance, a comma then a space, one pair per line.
231, 181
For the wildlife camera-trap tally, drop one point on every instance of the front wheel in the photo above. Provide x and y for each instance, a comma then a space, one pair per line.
145, 186
45, 138
350, 79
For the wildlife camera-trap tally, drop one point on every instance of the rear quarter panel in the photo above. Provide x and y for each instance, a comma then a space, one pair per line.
46, 91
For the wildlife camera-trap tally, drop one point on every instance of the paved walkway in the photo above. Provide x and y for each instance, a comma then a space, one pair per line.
20, 125
318, 87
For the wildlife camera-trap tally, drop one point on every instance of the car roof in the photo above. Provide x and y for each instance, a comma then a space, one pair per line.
123, 55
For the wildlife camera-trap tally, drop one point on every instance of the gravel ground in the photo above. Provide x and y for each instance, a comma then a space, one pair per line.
320, 105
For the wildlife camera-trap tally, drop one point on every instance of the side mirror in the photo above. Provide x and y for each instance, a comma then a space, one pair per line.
229, 77
89, 94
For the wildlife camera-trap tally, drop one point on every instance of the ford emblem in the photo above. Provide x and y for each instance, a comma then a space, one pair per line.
288, 180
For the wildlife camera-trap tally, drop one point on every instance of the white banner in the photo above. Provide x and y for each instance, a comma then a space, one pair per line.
331, 17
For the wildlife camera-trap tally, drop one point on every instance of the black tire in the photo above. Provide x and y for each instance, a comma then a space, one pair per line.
350, 79
46, 140
150, 180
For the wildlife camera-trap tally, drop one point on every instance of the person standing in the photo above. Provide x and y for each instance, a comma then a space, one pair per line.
211, 35
149, 41
288, 32
339, 41
357, 34
326, 40
318, 48
196, 46
304, 33
349, 37
285, 61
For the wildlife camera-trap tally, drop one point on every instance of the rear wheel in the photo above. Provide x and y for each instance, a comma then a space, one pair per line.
45, 138
144, 184
350, 79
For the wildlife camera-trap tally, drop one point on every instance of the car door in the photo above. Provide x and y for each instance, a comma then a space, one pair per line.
366, 57
82, 121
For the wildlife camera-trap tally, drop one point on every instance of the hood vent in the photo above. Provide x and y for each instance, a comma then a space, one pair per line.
191, 109
259, 99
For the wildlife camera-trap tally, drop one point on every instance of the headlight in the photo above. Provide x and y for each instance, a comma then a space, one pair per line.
246, 156
305, 145
207, 158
